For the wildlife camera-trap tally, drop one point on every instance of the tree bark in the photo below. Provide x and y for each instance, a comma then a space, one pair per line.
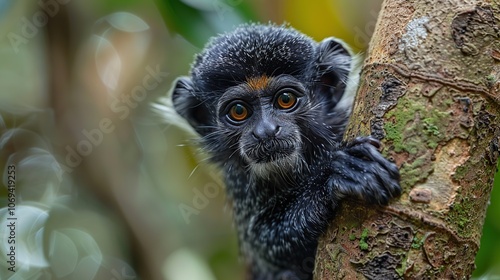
430, 89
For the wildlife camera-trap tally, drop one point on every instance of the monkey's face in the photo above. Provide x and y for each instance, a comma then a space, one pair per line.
262, 115
264, 96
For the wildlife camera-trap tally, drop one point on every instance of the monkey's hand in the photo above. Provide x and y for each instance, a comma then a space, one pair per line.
360, 170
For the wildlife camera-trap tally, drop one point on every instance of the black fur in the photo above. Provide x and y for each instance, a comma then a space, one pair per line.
286, 170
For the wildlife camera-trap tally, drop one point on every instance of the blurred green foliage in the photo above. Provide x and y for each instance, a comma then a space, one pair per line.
197, 21
488, 258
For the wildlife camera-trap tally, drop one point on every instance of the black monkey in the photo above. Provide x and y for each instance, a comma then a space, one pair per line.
271, 106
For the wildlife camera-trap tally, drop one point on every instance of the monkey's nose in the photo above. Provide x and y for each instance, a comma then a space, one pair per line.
265, 130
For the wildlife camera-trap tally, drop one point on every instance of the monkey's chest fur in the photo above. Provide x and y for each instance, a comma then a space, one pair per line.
280, 218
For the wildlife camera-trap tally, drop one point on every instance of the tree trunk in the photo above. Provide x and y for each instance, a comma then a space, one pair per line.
430, 89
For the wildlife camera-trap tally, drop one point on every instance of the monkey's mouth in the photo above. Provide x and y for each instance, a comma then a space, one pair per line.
271, 151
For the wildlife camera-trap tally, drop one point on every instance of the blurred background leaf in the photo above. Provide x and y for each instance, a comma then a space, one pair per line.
197, 21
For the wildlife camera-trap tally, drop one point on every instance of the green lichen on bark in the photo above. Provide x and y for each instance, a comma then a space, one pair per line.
362, 240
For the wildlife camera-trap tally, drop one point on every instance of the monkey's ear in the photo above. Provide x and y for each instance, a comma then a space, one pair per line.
187, 104
333, 65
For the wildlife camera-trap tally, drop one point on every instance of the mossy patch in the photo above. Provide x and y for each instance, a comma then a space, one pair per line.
363, 245
460, 216
417, 243
411, 122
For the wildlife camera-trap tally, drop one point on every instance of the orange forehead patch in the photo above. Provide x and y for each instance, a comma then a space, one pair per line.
258, 83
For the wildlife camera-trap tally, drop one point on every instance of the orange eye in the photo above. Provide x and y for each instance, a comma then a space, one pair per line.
286, 100
238, 112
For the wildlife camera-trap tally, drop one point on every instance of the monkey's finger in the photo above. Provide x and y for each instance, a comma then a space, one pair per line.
364, 140
371, 153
